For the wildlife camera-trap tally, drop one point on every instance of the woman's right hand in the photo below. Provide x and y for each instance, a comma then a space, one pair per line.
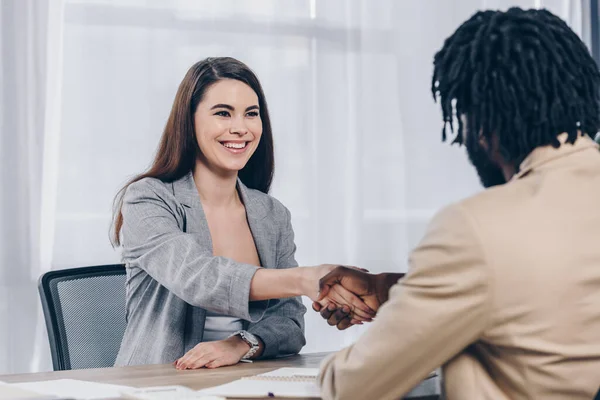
348, 303
337, 297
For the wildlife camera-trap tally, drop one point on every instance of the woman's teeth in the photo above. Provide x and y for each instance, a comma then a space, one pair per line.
235, 145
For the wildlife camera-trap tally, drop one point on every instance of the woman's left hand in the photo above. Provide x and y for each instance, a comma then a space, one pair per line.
215, 354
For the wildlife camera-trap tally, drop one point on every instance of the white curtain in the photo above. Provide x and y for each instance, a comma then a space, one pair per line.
87, 87
30, 72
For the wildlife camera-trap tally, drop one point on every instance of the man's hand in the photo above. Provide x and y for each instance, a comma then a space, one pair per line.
215, 354
372, 289
354, 280
340, 299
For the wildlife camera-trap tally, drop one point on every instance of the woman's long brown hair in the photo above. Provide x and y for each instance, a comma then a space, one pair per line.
178, 148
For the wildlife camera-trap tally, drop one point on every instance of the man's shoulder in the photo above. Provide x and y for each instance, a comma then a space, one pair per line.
495, 200
491, 210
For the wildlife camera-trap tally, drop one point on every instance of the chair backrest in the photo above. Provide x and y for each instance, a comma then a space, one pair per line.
84, 309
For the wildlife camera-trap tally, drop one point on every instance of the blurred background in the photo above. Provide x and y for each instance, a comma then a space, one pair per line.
86, 87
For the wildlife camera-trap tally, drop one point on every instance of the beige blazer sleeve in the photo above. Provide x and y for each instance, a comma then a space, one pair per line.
438, 309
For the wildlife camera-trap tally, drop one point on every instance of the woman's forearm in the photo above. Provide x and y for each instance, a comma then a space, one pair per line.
281, 283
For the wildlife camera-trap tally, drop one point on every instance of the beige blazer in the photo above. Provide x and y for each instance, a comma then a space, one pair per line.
503, 292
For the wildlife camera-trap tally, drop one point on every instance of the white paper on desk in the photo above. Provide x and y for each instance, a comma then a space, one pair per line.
246, 389
11, 392
74, 388
291, 372
250, 388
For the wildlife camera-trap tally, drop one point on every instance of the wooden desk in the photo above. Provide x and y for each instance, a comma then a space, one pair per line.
166, 374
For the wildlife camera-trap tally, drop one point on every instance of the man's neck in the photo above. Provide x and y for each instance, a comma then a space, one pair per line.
508, 170
216, 189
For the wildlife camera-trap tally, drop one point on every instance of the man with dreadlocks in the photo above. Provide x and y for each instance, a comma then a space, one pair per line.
503, 292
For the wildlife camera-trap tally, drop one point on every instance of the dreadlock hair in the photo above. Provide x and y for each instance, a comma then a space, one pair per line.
521, 74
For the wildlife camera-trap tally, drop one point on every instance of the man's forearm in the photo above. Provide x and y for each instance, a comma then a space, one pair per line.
384, 283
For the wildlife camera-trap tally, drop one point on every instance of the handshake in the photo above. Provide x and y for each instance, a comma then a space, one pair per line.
351, 296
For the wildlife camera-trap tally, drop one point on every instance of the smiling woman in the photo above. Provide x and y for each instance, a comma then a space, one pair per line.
209, 253
228, 122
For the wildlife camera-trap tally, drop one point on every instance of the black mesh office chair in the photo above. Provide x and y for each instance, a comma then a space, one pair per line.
84, 309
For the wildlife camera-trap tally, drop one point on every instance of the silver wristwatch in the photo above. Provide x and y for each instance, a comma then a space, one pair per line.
251, 340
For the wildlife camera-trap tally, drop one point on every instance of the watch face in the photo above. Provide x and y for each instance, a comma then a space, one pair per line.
250, 338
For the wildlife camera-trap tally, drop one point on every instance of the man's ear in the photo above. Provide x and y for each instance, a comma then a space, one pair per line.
489, 145
483, 142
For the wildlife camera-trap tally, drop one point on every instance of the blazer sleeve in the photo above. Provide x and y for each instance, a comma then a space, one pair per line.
282, 327
437, 310
154, 240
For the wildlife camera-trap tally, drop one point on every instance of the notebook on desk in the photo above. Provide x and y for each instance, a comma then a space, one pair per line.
283, 382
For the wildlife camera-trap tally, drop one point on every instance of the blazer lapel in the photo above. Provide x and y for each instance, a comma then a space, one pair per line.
195, 221
260, 222
261, 226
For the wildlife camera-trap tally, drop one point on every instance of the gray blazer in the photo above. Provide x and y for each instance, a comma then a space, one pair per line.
173, 277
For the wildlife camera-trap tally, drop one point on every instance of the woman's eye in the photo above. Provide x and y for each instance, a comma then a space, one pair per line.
252, 114
222, 113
